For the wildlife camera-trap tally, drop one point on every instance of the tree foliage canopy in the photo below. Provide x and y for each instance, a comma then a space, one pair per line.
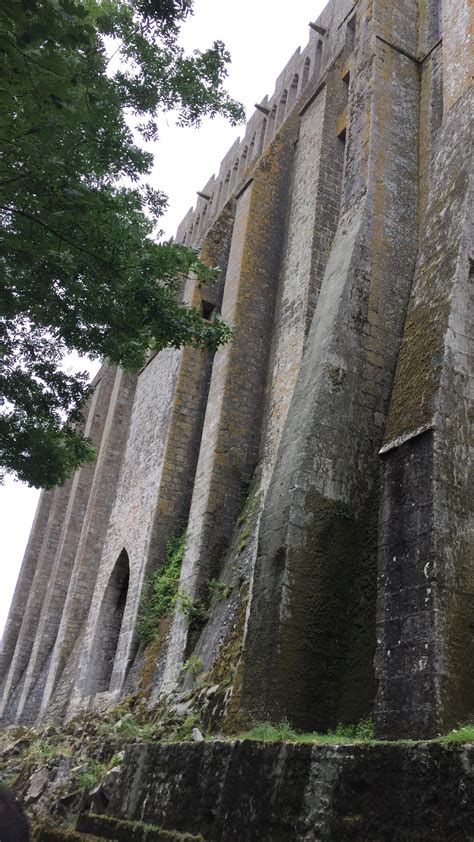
80, 265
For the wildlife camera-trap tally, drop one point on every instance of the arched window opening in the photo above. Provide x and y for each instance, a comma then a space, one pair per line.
219, 196
233, 178
293, 92
282, 108
109, 624
252, 147
196, 227
225, 190
203, 218
350, 32
243, 161
319, 58
346, 80
306, 69
261, 141
271, 124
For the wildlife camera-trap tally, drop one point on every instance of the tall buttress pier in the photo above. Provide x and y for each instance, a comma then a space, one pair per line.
320, 462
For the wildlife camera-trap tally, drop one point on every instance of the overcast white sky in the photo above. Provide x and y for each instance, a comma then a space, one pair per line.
261, 36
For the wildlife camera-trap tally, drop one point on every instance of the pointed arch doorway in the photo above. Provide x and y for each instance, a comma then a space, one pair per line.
109, 624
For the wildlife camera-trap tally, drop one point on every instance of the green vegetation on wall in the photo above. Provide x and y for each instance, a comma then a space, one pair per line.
269, 732
161, 593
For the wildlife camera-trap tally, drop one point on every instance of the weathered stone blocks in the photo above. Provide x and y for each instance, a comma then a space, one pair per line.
321, 461
286, 792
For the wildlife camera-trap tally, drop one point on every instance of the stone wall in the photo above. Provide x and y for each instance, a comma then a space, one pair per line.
55, 544
320, 461
315, 580
245, 791
425, 594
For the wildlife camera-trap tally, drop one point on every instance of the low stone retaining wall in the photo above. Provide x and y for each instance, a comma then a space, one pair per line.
253, 792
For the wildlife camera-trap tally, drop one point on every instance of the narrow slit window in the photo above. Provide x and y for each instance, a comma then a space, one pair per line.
306, 69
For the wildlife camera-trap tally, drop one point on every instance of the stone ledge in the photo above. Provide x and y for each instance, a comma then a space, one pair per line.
109, 827
61, 834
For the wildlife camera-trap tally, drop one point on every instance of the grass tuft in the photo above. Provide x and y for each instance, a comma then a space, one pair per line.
465, 734
343, 734
283, 731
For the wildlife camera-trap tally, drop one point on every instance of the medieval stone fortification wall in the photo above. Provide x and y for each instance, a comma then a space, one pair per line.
320, 461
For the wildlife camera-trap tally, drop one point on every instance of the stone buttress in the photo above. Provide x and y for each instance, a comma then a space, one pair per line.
320, 461
425, 616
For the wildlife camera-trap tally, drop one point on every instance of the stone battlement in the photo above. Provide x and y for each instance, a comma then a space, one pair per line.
294, 81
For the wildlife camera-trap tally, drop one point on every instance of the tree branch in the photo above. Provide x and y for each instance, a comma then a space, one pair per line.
50, 230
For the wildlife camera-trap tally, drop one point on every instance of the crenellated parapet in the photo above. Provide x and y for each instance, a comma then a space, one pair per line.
328, 35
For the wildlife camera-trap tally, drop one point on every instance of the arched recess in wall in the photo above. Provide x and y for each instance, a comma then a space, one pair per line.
350, 32
261, 141
243, 161
306, 69
292, 93
233, 179
282, 108
109, 623
204, 214
271, 124
251, 154
218, 199
319, 58
225, 189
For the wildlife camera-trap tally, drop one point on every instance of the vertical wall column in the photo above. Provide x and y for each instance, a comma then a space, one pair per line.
313, 202
25, 581
183, 439
36, 596
94, 528
231, 432
54, 597
190, 398
426, 564
313, 219
311, 628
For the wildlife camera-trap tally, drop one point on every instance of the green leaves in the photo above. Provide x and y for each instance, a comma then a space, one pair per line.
79, 266
160, 593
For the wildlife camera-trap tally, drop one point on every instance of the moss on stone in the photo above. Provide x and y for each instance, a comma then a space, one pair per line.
420, 361
133, 831
328, 637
